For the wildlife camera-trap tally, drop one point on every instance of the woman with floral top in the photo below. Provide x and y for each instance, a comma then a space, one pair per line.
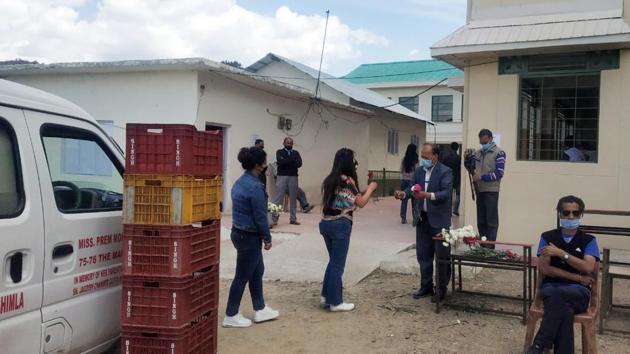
341, 197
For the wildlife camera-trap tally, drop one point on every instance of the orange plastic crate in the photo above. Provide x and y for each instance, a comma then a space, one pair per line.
168, 302
171, 200
170, 251
199, 337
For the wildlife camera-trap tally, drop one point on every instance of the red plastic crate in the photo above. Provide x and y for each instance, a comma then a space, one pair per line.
199, 337
168, 302
173, 149
170, 251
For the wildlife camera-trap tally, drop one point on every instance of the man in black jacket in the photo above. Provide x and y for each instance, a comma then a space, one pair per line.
259, 143
289, 161
453, 160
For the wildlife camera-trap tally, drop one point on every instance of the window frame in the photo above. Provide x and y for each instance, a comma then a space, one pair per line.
79, 133
436, 117
415, 100
393, 138
415, 139
551, 74
17, 161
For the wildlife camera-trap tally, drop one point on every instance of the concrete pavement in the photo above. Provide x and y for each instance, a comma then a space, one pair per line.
299, 254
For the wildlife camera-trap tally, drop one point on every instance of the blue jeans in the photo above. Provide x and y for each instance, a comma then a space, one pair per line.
336, 235
403, 203
249, 269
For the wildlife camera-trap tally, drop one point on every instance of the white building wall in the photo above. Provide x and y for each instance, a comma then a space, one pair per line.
138, 97
442, 132
379, 157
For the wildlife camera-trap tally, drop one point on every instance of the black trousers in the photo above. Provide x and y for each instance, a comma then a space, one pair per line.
488, 214
561, 304
425, 253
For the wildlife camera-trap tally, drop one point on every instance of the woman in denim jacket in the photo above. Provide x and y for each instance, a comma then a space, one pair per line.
250, 230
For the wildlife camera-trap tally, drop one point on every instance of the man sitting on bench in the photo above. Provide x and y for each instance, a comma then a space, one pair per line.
567, 261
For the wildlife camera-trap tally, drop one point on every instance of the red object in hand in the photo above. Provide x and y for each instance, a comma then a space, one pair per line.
416, 188
370, 174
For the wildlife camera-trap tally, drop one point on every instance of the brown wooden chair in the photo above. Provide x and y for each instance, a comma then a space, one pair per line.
611, 270
588, 319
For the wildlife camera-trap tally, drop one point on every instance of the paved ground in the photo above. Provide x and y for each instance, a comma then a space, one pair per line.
298, 252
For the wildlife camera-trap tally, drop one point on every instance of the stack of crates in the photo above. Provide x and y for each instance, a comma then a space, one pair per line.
171, 239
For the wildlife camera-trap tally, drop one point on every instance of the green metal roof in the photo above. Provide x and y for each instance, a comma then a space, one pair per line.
403, 71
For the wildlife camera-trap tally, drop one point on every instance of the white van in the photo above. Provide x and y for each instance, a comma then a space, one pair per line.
60, 226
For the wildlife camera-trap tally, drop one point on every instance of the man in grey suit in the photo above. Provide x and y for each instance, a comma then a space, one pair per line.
432, 213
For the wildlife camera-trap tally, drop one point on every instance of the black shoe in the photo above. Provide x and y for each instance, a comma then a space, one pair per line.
535, 349
403, 221
456, 213
423, 293
442, 296
295, 223
308, 209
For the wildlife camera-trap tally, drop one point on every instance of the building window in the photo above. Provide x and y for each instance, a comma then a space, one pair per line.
442, 108
415, 140
108, 126
558, 118
392, 141
410, 102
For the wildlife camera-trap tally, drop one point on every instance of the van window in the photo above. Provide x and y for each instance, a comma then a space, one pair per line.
11, 189
84, 174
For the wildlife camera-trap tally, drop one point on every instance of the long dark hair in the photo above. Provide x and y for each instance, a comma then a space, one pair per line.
344, 164
411, 158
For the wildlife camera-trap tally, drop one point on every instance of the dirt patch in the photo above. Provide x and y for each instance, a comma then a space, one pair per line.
387, 320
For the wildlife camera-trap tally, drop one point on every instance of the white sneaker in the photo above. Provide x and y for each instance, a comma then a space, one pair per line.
236, 321
266, 314
322, 301
342, 307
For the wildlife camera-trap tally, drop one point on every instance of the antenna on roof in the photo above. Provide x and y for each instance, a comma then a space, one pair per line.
321, 58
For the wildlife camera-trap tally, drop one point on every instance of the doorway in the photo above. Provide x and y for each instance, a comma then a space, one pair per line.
224, 130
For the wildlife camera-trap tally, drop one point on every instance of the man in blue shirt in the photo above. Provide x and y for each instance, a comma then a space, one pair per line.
568, 262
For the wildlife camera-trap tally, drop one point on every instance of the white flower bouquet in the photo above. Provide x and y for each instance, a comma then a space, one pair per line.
452, 237
274, 209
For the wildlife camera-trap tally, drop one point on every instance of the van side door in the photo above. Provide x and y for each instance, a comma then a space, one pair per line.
21, 238
81, 183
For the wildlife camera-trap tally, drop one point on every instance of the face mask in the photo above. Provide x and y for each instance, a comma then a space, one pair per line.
486, 147
570, 223
426, 164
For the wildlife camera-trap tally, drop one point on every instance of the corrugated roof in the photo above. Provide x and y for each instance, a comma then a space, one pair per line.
495, 36
431, 70
349, 89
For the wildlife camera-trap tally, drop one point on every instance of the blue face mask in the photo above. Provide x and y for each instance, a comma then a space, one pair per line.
486, 147
426, 164
570, 223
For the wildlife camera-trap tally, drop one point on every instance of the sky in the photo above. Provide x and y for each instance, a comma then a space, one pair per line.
359, 32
